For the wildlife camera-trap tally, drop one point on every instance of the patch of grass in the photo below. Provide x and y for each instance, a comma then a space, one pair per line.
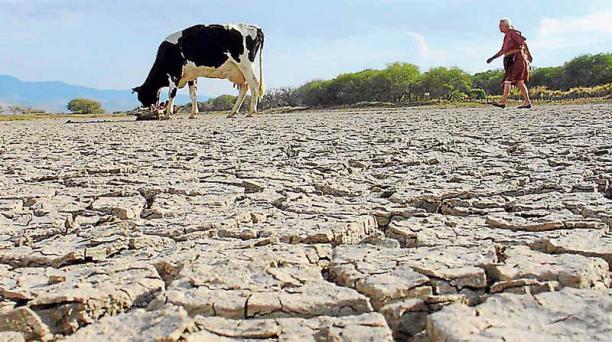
574, 102
536, 102
482, 103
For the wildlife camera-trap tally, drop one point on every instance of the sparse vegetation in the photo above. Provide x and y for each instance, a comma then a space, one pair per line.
221, 103
546, 94
23, 110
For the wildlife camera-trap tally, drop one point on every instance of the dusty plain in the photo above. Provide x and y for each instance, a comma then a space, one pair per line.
334, 225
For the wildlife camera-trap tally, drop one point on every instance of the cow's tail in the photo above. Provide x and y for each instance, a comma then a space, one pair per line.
262, 87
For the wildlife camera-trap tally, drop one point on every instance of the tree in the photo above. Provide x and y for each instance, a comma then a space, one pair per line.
551, 77
315, 93
85, 106
352, 87
401, 79
393, 84
588, 71
460, 80
442, 83
490, 81
20, 110
223, 102
281, 97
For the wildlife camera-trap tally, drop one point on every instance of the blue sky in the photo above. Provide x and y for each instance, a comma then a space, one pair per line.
111, 44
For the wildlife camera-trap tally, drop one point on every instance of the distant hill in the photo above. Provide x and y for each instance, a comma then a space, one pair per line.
54, 96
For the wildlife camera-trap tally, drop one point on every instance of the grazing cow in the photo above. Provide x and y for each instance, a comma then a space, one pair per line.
213, 51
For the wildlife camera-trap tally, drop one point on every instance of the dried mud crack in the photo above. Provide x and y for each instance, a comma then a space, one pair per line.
360, 225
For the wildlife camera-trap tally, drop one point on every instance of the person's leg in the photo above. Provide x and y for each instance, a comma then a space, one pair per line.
508, 64
507, 87
524, 93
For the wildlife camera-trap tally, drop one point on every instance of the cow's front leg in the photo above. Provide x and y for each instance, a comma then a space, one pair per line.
239, 100
193, 93
171, 95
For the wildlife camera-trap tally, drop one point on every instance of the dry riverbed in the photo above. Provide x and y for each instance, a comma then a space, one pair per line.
358, 225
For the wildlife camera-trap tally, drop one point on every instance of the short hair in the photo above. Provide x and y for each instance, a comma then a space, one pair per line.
506, 21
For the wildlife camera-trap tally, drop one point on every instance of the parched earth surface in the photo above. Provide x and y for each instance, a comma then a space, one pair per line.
346, 225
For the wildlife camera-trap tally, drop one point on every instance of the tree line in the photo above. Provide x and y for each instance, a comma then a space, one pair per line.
404, 83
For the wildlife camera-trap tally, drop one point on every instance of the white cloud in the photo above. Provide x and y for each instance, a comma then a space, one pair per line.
595, 23
427, 55
558, 40
585, 34
424, 49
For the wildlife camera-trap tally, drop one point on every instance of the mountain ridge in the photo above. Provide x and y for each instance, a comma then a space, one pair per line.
53, 96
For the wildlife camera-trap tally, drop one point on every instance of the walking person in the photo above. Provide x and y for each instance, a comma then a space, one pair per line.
516, 63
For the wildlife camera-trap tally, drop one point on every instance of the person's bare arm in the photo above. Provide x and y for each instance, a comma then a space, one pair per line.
500, 53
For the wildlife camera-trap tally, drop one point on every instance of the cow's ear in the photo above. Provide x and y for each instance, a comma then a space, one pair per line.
135, 90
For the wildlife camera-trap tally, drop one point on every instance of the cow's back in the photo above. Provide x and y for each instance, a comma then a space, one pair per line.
210, 45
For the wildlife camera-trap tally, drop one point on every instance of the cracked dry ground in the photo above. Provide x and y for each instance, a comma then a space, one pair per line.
362, 225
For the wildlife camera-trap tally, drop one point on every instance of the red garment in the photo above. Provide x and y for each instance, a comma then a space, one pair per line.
513, 40
516, 65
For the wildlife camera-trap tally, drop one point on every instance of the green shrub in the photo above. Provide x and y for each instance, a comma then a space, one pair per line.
478, 94
85, 106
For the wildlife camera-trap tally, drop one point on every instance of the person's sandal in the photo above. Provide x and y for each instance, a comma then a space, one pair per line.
498, 105
529, 106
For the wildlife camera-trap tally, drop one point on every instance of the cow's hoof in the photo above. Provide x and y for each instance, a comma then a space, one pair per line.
231, 116
249, 115
192, 117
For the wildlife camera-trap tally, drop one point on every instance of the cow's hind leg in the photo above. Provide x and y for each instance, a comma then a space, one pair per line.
249, 75
239, 100
193, 93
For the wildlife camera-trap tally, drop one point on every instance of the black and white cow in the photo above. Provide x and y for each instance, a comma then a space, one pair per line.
213, 51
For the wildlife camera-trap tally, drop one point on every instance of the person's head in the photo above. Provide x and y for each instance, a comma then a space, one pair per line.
505, 25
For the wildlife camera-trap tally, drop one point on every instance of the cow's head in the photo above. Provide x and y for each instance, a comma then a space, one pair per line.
148, 97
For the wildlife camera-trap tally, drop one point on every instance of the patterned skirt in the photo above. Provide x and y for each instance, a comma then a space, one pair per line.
516, 68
